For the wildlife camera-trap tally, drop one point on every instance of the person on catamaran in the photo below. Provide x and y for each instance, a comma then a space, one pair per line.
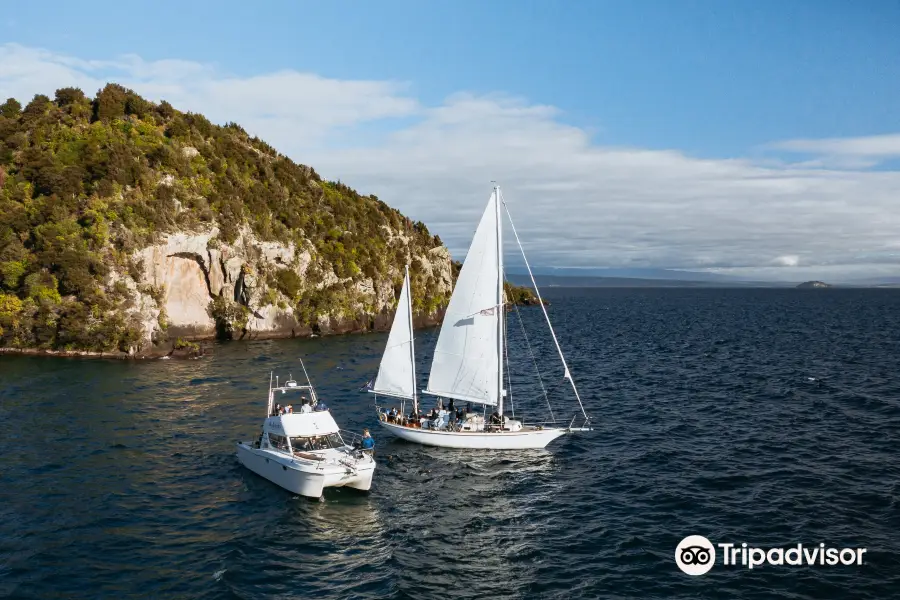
368, 443
321, 406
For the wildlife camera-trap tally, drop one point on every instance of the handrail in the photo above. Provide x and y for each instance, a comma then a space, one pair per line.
352, 435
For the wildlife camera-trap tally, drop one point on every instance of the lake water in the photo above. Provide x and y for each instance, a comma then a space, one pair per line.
770, 417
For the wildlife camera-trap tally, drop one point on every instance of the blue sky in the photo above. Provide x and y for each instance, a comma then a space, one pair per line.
716, 84
711, 77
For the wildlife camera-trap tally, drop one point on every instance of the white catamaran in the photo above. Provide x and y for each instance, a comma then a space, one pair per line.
304, 451
468, 362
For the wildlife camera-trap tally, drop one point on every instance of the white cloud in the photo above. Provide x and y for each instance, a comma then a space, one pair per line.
576, 202
874, 145
287, 108
788, 260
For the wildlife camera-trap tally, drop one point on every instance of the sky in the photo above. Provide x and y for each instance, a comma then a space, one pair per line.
756, 139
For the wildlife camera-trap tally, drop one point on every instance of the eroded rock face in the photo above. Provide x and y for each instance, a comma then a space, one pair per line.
186, 292
184, 272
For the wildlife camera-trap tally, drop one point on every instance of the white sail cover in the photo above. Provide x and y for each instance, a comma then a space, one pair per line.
466, 357
395, 375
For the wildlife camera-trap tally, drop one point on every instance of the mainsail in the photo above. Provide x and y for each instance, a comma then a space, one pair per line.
466, 359
396, 374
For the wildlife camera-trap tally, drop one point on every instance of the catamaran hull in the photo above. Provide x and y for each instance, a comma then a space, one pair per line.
480, 440
286, 473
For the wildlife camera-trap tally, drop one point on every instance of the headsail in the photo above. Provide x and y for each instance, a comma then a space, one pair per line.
396, 374
466, 358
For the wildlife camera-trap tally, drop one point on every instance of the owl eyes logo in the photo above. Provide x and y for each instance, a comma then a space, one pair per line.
695, 555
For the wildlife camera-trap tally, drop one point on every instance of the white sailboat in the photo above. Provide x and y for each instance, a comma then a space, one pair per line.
468, 362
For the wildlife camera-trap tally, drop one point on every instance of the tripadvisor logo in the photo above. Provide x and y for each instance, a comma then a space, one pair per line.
696, 555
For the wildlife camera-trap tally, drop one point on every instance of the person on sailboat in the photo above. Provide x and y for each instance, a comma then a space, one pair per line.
321, 406
460, 418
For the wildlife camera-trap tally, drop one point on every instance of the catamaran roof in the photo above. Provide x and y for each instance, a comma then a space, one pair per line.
303, 424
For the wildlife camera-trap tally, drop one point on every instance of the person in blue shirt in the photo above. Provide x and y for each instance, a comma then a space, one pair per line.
320, 405
368, 443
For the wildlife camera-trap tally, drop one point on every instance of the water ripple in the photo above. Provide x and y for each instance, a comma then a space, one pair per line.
770, 417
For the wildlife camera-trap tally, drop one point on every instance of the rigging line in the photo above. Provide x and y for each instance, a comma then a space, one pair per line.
567, 375
512, 406
534, 362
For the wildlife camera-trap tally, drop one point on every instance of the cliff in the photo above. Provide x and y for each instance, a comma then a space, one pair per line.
126, 225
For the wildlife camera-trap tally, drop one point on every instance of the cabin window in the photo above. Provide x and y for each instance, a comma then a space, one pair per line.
316, 442
278, 442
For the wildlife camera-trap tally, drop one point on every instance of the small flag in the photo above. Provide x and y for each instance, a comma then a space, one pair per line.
369, 385
488, 312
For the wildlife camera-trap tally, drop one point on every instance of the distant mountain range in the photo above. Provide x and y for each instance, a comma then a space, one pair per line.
663, 278
876, 282
595, 281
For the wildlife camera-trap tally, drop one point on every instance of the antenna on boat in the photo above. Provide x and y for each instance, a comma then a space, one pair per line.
312, 392
269, 402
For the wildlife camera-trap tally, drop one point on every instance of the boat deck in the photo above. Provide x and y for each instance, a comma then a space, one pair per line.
487, 429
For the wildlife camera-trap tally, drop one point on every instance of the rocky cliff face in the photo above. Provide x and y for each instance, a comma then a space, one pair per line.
193, 286
126, 225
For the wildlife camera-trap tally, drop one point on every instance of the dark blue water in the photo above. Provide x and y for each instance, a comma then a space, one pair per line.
762, 416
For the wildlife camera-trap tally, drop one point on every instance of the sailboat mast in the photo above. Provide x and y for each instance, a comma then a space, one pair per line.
500, 307
412, 349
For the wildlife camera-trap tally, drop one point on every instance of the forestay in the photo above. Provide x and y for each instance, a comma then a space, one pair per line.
396, 376
466, 357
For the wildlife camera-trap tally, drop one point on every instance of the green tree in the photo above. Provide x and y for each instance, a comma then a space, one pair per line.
11, 108
110, 102
35, 109
68, 96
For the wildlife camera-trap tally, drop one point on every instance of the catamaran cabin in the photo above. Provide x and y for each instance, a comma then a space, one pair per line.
300, 433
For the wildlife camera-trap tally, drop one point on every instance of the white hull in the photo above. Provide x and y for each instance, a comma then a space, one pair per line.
303, 477
508, 440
